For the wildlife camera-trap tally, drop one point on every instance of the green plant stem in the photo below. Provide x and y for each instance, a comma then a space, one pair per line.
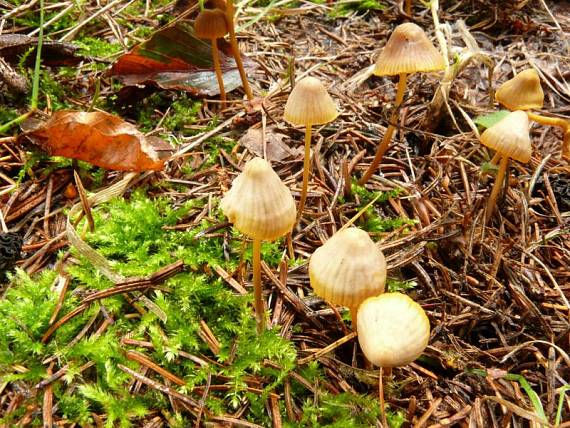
306, 170
235, 49
383, 146
36, 82
219, 76
4, 128
496, 188
259, 307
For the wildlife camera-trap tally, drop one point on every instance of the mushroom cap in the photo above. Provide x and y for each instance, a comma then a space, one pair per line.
258, 203
211, 24
408, 50
510, 136
309, 103
522, 92
348, 268
393, 330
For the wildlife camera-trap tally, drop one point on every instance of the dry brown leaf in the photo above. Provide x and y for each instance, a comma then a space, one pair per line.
98, 138
276, 149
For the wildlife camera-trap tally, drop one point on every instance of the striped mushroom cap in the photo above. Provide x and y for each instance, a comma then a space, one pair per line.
348, 268
258, 203
309, 103
510, 136
408, 50
522, 92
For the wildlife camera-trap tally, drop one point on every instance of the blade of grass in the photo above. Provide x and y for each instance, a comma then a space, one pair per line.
532, 395
562, 391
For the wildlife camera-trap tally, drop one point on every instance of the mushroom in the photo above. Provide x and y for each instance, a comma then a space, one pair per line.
510, 138
407, 51
348, 269
393, 330
211, 24
230, 11
262, 207
523, 92
309, 104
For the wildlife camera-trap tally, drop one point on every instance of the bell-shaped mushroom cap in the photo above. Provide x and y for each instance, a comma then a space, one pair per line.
348, 268
522, 92
510, 136
393, 330
258, 203
309, 103
408, 50
211, 24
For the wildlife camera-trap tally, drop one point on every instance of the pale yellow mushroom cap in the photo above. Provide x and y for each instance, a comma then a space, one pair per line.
211, 24
393, 330
258, 203
522, 92
309, 103
408, 50
510, 136
348, 268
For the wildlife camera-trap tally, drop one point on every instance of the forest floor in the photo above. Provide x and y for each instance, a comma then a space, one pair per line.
156, 327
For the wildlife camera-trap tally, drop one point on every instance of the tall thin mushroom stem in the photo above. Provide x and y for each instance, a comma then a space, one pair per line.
230, 10
259, 307
496, 187
353, 314
381, 397
383, 146
306, 170
219, 76
408, 7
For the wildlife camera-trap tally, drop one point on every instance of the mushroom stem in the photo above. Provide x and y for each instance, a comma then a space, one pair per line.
496, 187
306, 168
353, 315
235, 49
259, 307
383, 146
549, 121
495, 158
408, 7
216, 58
566, 144
381, 396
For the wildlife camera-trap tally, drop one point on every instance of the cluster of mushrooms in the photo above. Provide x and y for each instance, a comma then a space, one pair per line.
349, 269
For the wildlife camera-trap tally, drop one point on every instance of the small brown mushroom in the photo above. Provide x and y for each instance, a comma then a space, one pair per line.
347, 269
510, 138
262, 207
523, 92
407, 51
308, 104
211, 24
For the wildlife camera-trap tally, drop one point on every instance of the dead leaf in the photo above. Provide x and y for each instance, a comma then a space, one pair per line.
276, 149
174, 58
13, 46
98, 138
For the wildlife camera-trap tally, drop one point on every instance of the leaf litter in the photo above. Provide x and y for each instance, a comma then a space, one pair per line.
497, 297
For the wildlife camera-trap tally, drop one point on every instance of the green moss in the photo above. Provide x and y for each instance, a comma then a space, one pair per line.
358, 6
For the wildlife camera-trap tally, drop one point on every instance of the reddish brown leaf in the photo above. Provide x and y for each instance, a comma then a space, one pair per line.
174, 58
99, 138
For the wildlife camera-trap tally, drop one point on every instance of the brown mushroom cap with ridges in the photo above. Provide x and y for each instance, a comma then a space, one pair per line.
408, 50
522, 92
309, 103
348, 268
211, 24
510, 136
393, 330
258, 203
